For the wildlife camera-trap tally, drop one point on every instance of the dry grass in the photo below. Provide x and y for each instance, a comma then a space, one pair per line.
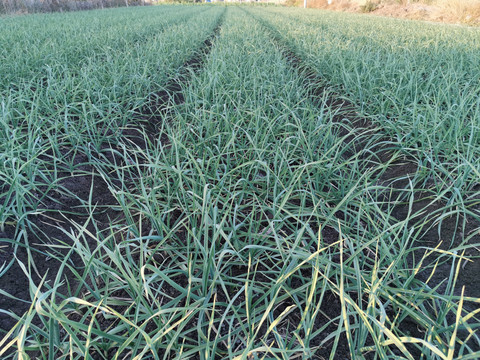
463, 10
339, 5
451, 11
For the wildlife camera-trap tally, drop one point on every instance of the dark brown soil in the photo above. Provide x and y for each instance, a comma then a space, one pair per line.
55, 217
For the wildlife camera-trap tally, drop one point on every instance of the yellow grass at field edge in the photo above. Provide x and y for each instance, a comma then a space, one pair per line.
449, 11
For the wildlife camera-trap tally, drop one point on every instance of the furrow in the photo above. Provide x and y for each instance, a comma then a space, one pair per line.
160, 108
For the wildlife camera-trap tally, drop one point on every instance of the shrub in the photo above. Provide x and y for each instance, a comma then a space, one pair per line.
368, 7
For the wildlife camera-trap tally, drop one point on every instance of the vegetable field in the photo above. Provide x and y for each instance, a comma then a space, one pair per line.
238, 182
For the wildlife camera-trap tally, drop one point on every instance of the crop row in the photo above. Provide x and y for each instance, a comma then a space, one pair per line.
418, 82
70, 87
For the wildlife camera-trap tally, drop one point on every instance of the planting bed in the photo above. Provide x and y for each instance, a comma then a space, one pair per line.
211, 182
